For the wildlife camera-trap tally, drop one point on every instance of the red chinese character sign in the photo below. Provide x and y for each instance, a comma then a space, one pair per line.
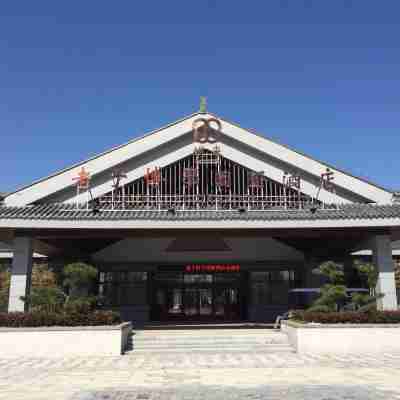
212, 268
327, 180
190, 177
256, 180
83, 179
292, 181
153, 177
116, 177
223, 179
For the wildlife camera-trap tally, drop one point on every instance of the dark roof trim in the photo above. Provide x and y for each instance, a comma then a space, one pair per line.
68, 212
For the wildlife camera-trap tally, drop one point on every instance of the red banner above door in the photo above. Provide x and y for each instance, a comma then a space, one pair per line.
212, 268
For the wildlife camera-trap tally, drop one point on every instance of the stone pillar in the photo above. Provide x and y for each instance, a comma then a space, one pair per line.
21, 273
382, 259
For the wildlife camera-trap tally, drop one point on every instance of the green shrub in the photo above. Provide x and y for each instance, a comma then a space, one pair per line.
38, 319
48, 299
351, 317
81, 305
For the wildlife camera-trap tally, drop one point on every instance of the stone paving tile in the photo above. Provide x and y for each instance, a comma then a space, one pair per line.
203, 360
202, 376
295, 392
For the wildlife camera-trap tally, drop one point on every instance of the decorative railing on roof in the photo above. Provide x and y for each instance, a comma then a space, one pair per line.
204, 180
203, 202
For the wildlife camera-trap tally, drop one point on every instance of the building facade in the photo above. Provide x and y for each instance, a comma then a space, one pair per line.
202, 220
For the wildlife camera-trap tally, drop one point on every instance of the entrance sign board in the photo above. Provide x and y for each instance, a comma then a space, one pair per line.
212, 268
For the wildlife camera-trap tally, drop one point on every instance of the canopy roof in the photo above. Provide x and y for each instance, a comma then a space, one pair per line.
66, 212
67, 216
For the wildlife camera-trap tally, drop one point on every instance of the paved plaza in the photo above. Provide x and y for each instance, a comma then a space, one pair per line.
203, 376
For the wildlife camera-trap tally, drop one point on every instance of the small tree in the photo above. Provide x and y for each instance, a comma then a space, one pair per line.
333, 294
369, 273
79, 278
48, 299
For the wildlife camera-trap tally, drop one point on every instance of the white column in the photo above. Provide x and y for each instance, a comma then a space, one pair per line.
382, 259
21, 273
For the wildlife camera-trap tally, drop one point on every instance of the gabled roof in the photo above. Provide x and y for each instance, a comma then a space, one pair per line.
60, 180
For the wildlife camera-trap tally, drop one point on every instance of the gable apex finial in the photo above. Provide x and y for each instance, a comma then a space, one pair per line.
203, 105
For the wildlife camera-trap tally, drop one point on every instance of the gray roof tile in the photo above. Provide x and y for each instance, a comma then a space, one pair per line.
70, 212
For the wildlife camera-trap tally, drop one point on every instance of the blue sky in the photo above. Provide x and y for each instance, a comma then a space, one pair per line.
79, 77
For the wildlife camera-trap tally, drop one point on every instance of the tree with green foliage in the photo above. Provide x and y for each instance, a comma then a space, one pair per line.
47, 295
366, 301
79, 278
333, 293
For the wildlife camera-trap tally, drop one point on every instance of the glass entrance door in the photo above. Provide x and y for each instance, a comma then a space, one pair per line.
196, 297
197, 303
226, 303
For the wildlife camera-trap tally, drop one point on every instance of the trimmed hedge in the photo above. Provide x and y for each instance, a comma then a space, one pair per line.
349, 317
42, 319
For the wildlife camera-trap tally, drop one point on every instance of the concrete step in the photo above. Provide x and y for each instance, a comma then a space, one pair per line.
209, 342
222, 340
148, 341
206, 343
285, 350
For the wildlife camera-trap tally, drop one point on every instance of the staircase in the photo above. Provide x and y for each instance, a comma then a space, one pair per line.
210, 340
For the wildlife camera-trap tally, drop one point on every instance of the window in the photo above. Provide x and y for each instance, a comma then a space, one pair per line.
198, 278
123, 287
271, 287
